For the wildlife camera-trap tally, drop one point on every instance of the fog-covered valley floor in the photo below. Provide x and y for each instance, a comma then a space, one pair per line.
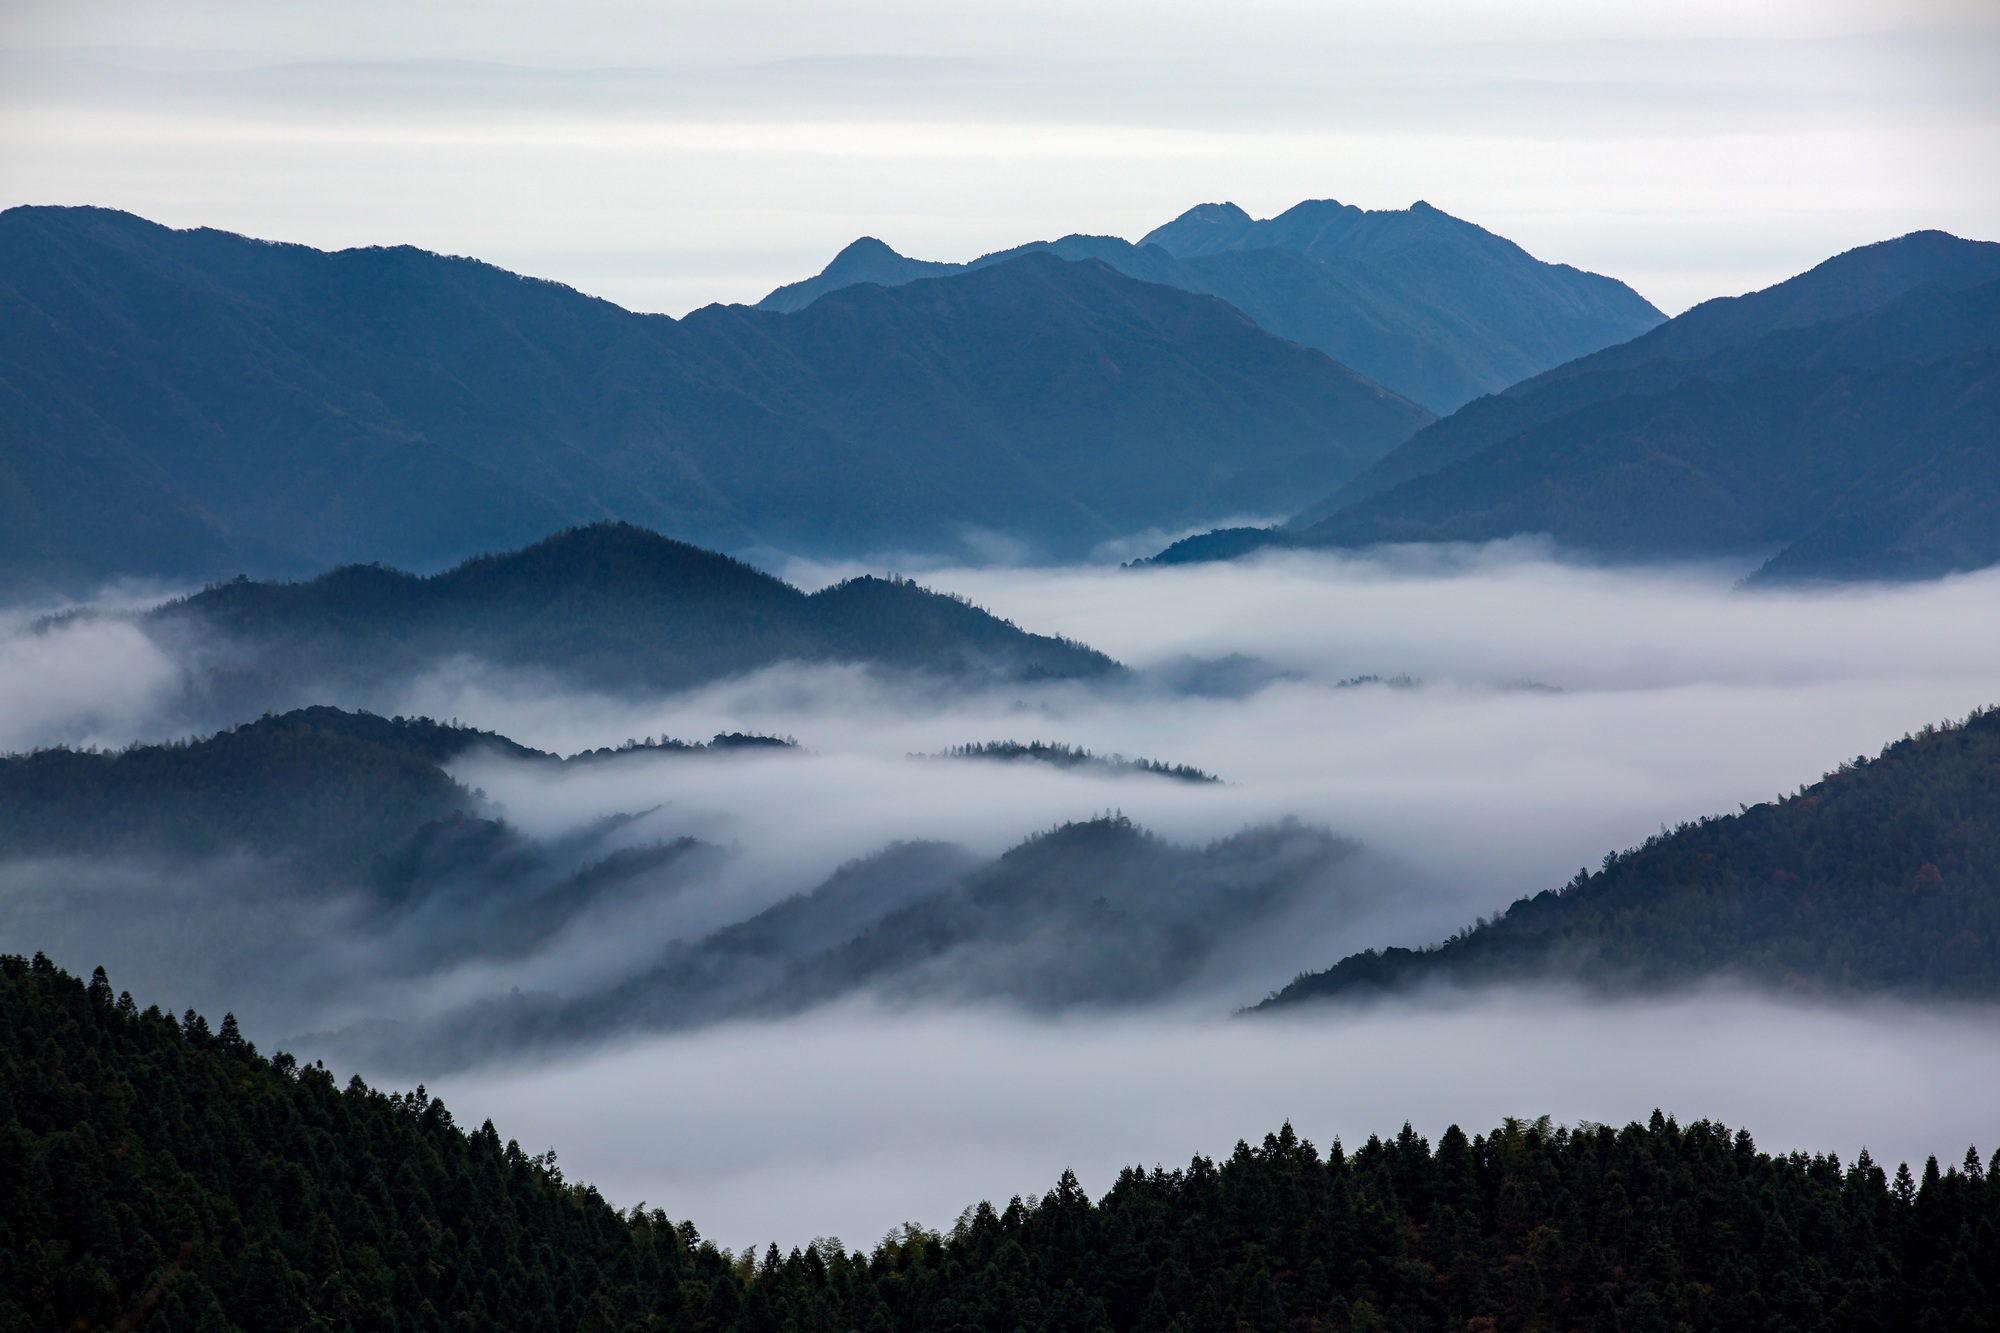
1469, 727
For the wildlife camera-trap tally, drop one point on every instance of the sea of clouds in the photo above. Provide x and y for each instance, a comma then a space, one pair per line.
1483, 721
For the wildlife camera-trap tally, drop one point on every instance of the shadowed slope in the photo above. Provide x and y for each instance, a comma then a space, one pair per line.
1884, 875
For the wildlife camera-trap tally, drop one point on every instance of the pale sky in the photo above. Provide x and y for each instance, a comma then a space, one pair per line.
670, 153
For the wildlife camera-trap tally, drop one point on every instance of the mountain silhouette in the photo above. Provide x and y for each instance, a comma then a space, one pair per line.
195, 403
1433, 307
1839, 425
609, 607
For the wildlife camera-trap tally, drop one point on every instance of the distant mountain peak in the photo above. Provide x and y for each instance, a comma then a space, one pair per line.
863, 250
864, 259
1203, 229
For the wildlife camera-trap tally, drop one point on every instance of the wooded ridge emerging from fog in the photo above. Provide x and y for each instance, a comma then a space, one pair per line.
1880, 877
162, 1171
609, 607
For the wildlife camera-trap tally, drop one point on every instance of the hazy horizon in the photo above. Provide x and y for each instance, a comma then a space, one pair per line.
668, 155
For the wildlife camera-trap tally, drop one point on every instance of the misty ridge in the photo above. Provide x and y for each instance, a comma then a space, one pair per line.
1879, 877
420, 895
1059, 755
323, 860
610, 608
1088, 917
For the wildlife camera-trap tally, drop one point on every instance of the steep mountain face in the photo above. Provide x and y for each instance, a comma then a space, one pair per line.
1846, 419
608, 607
1437, 309
1882, 876
192, 403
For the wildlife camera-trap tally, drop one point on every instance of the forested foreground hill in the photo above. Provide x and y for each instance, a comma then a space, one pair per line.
606, 607
1884, 875
160, 1174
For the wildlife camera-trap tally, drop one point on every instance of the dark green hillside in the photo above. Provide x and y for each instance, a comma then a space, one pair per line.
318, 787
195, 404
158, 1174
1884, 875
608, 607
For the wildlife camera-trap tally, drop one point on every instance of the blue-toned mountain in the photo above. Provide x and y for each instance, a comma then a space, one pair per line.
1844, 424
1431, 306
196, 403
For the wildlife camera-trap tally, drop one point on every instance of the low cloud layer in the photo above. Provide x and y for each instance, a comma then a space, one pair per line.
1481, 723
850, 1123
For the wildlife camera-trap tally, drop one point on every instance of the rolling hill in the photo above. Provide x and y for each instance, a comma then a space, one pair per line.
1883, 876
196, 403
609, 607
1436, 308
1843, 424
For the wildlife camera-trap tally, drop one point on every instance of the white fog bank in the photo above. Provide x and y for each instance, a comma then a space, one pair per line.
849, 1123
1557, 713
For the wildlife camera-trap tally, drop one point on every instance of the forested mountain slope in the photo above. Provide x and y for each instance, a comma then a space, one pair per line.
1882, 876
198, 403
164, 1174
1435, 308
608, 607
318, 786
1848, 420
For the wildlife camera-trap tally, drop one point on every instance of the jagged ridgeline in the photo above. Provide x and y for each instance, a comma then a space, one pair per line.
1880, 877
389, 404
609, 607
162, 1174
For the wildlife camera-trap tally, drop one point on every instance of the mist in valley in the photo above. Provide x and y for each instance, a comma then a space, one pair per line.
1410, 741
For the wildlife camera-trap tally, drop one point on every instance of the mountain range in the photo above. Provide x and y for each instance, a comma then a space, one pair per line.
1879, 877
1433, 307
610, 608
195, 403
1842, 424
